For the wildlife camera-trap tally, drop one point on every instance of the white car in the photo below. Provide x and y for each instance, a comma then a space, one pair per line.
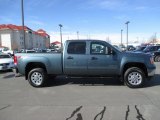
6, 62
6, 51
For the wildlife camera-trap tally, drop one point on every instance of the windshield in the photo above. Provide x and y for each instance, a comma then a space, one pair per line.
4, 56
5, 49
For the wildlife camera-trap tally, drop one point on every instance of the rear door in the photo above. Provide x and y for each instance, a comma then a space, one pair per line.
75, 58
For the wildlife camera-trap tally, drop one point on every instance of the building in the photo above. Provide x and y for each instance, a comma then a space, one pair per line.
11, 36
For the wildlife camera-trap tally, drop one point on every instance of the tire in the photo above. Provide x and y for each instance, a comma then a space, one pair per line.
158, 58
134, 77
155, 59
37, 77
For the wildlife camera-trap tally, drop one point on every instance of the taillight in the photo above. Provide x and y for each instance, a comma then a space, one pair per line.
15, 60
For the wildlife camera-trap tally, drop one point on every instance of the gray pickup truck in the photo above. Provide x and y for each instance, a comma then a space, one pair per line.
85, 58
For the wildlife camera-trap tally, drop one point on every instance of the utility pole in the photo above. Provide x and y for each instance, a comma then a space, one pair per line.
22, 10
127, 31
155, 38
78, 35
121, 35
60, 26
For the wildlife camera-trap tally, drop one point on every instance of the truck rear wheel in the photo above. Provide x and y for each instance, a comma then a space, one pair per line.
37, 77
134, 77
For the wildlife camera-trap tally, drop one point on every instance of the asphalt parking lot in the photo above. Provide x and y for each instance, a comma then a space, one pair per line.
78, 99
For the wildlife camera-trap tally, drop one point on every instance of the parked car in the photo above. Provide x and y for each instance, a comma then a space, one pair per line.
27, 51
6, 62
156, 55
122, 48
6, 50
139, 48
151, 49
86, 58
130, 48
30, 51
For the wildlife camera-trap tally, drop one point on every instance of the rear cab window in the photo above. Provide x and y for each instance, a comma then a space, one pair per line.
76, 48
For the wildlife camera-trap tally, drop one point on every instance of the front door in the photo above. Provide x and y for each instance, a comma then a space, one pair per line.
101, 60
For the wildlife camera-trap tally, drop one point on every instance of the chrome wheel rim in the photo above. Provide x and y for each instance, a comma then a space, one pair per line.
158, 59
135, 78
36, 78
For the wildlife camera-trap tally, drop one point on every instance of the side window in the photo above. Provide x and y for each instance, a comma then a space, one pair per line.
158, 47
99, 48
76, 48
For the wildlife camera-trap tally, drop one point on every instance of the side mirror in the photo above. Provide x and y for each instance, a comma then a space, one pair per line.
110, 51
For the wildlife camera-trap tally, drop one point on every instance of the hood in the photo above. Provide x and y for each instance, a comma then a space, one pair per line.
6, 60
136, 54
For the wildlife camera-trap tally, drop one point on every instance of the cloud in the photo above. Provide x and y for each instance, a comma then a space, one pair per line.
114, 38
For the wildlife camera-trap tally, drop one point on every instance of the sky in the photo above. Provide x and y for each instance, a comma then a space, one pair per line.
93, 19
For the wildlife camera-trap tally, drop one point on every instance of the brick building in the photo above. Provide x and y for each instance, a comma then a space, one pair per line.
11, 36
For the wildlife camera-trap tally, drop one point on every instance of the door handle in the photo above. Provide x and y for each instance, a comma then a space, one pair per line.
94, 58
69, 57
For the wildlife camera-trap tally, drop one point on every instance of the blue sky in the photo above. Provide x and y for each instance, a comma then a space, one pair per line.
99, 19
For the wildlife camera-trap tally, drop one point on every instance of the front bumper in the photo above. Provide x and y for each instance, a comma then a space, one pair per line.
151, 71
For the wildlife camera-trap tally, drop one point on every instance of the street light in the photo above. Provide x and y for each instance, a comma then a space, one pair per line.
22, 10
121, 36
78, 35
127, 31
155, 40
60, 26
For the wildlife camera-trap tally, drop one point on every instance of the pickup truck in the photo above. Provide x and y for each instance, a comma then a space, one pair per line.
86, 58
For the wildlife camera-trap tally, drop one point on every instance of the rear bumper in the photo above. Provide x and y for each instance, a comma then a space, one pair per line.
7, 67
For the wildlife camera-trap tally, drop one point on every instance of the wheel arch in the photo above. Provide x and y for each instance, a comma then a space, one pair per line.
134, 64
33, 65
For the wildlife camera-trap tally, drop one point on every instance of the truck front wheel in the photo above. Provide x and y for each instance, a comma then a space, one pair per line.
134, 77
37, 77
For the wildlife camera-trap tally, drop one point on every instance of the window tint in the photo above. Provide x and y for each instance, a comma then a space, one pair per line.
77, 48
99, 48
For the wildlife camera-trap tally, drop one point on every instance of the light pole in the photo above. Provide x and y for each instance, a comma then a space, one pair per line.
78, 35
60, 26
127, 31
155, 38
22, 10
121, 35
